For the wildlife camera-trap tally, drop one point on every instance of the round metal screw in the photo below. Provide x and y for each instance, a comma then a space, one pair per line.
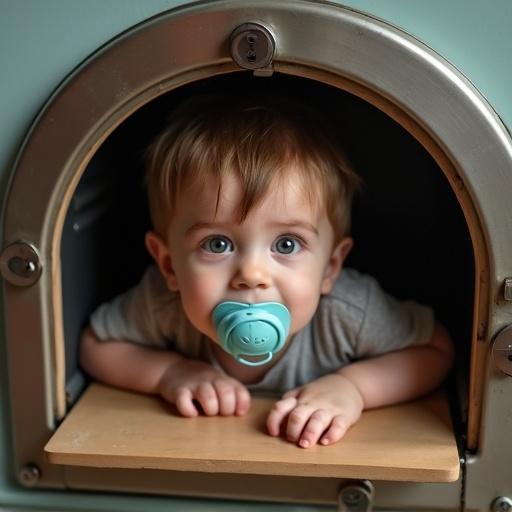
352, 497
501, 504
356, 496
502, 350
29, 475
20, 264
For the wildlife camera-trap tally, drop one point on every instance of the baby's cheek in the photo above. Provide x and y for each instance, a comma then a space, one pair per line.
199, 298
302, 302
200, 287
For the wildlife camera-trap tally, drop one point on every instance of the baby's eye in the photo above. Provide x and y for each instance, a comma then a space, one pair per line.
286, 245
217, 244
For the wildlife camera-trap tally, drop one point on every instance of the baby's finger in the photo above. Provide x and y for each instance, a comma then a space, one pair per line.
315, 427
243, 400
293, 393
184, 402
207, 397
339, 426
226, 396
278, 413
297, 420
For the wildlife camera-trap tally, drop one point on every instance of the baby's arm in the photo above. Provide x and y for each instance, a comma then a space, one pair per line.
181, 381
323, 410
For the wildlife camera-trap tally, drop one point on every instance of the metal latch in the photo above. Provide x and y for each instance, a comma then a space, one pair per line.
253, 47
502, 350
356, 496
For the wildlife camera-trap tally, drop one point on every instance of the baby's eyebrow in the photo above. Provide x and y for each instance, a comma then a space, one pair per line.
202, 225
293, 224
297, 224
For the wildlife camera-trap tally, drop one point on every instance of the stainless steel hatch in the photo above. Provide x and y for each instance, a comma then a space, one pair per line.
317, 41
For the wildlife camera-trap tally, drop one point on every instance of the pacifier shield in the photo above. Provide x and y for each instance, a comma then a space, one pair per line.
252, 330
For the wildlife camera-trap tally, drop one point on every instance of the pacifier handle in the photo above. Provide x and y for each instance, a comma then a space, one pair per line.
242, 360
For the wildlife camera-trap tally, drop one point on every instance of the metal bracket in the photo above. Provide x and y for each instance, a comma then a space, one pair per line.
502, 350
356, 496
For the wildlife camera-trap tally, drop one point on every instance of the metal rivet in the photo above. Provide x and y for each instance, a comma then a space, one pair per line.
20, 264
29, 475
356, 497
252, 46
501, 504
502, 350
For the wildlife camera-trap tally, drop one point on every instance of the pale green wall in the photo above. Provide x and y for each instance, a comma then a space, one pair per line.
42, 41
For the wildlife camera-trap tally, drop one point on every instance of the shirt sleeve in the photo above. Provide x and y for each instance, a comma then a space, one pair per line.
139, 314
389, 324
358, 320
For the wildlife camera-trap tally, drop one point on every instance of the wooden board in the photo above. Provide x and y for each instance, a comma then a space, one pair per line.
110, 428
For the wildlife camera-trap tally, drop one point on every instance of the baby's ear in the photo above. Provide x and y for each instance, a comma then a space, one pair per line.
335, 264
160, 252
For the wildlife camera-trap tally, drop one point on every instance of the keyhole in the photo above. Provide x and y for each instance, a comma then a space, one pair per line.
251, 53
252, 39
252, 47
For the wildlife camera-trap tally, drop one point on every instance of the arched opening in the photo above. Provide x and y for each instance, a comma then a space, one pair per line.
408, 226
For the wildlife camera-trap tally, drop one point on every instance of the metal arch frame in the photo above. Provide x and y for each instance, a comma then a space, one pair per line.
367, 57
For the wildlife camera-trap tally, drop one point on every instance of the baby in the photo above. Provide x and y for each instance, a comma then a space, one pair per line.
250, 203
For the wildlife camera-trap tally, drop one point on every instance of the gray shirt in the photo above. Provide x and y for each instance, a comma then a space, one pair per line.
355, 321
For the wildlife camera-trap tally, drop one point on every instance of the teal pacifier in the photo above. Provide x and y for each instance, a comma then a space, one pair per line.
254, 330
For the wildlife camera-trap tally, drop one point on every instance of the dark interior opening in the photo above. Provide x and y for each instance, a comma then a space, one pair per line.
408, 227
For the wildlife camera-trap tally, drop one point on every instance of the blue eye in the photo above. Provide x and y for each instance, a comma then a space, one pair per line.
286, 245
217, 245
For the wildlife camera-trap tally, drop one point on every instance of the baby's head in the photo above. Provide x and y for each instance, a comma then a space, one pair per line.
250, 202
260, 142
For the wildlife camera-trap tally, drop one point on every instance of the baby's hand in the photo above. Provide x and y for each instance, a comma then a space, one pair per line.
321, 411
193, 382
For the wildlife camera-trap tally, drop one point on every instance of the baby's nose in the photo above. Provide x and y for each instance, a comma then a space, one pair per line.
252, 274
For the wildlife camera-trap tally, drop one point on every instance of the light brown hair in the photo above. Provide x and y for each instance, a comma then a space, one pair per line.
258, 140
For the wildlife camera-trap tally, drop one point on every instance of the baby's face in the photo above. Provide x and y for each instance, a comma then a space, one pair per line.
283, 252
